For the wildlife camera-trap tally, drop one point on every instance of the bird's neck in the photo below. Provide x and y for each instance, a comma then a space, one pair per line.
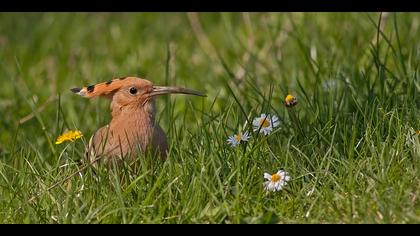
133, 126
134, 116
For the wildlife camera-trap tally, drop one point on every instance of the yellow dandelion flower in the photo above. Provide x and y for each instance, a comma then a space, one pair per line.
69, 136
290, 101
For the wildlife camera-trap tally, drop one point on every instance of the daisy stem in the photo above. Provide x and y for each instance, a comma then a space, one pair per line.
296, 122
243, 149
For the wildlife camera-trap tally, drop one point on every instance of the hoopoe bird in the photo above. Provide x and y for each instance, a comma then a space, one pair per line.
133, 128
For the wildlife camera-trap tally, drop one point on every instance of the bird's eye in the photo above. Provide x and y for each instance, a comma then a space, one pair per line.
133, 90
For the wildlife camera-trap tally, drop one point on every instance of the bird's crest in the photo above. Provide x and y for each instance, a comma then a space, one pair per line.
103, 89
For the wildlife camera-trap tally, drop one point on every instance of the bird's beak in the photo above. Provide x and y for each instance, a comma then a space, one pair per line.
159, 90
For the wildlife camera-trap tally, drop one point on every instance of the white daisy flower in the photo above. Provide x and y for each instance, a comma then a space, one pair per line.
265, 123
237, 138
276, 181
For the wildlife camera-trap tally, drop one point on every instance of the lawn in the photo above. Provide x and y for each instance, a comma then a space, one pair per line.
350, 146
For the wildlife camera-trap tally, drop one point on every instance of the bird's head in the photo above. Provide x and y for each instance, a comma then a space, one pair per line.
128, 93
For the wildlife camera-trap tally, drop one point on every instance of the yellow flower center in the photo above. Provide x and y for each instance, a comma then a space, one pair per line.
238, 137
275, 178
264, 123
289, 98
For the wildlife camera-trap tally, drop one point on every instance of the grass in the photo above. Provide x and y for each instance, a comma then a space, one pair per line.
349, 145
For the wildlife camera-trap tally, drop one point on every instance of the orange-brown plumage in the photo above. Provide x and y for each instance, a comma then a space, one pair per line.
132, 129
